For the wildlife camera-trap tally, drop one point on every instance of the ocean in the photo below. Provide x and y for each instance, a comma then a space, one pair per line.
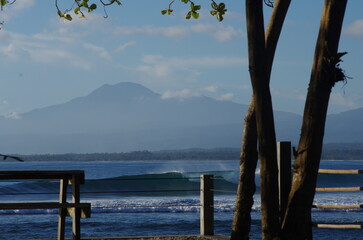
145, 198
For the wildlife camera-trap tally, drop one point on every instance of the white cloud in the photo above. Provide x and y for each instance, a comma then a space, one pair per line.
346, 101
225, 97
182, 94
289, 94
174, 31
9, 51
101, 51
211, 89
355, 29
161, 66
13, 115
70, 48
47, 55
220, 33
122, 47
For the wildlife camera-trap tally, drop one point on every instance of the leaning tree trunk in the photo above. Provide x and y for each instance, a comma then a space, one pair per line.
249, 156
264, 120
246, 186
297, 222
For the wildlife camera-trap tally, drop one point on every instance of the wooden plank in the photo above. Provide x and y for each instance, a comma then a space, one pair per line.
42, 174
339, 189
334, 171
358, 206
339, 226
42, 205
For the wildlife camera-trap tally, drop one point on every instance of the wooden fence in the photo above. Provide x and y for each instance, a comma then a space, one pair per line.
339, 189
284, 177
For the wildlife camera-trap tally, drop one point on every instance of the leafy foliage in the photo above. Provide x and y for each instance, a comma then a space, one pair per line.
81, 6
218, 9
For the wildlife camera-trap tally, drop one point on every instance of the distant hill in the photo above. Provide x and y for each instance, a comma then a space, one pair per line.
330, 152
129, 117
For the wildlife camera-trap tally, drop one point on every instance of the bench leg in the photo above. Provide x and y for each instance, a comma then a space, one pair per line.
76, 221
62, 212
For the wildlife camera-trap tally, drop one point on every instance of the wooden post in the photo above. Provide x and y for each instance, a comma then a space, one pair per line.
284, 166
62, 212
76, 217
207, 208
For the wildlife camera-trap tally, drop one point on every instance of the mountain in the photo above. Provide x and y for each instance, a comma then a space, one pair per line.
346, 127
128, 116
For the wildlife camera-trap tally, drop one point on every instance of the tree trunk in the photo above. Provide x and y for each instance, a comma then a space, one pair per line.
297, 222
246, 186
264, 120
249, 156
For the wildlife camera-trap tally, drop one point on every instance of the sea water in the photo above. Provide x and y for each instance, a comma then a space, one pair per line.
144, 198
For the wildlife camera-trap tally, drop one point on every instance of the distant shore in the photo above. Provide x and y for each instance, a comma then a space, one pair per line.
330, 152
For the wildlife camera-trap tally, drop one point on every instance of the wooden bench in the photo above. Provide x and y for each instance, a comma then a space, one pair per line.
75, 209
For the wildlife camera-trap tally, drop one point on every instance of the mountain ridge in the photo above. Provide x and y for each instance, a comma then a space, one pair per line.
128, 116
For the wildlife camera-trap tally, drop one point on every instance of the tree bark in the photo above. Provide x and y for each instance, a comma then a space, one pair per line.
297, 221
246, 186
264, 120
249, 155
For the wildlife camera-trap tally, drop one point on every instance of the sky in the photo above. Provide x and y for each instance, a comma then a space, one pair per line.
47, 60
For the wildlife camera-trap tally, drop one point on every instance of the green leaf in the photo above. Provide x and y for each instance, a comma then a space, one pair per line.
188, 16
197, 7
184, 1
195, 15
219, 17
214, 5
3, 2
192, 6
84, 4
76, 10
164, 12
213, 12
221, 6
93, 6
68, 17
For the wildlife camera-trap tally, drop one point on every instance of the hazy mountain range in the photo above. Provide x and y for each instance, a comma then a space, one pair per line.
128, 117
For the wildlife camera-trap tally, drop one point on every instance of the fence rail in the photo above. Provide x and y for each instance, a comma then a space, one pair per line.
339, 189
335, 171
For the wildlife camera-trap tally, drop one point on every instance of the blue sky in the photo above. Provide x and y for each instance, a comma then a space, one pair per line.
47, 61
